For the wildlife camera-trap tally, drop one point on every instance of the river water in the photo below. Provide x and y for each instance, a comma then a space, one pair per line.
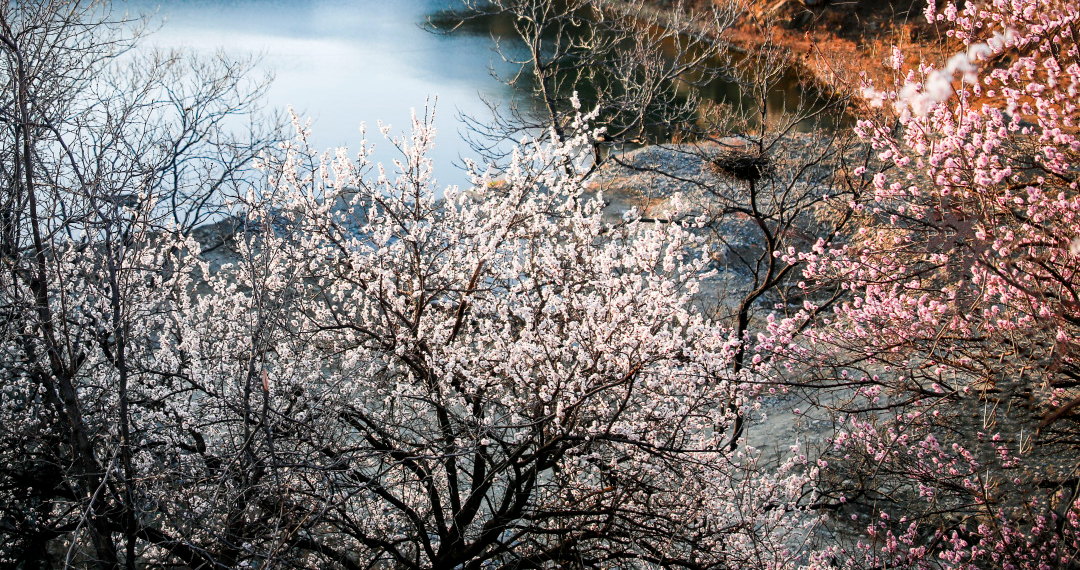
346, 62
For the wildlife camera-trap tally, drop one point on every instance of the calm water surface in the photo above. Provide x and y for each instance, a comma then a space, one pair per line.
345, 62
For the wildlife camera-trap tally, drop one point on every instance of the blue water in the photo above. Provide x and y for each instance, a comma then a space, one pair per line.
344, 62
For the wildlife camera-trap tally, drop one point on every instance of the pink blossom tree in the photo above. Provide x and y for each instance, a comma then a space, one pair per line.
951, 370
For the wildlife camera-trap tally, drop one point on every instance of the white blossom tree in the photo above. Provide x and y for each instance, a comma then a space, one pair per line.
102, 147
379, 373
386, 378
376, 373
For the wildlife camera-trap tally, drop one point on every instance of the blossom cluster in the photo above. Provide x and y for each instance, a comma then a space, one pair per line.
950, 361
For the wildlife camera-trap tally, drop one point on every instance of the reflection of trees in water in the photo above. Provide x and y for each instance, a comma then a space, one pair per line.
713, 90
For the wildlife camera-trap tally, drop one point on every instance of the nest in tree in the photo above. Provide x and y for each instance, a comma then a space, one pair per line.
742, 165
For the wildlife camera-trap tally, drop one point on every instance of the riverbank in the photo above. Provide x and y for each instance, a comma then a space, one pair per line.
837, 46
840, 45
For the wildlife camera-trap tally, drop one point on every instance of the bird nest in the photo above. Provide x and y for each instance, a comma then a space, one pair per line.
742, 165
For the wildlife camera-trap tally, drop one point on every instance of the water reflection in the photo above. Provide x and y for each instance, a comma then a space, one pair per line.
344, 62
720, 84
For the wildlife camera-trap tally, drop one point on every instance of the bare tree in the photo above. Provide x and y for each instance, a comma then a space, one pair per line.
104, 147
774, 158
761, 175
637, 64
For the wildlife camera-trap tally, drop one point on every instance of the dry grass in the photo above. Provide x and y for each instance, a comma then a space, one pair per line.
841, 44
